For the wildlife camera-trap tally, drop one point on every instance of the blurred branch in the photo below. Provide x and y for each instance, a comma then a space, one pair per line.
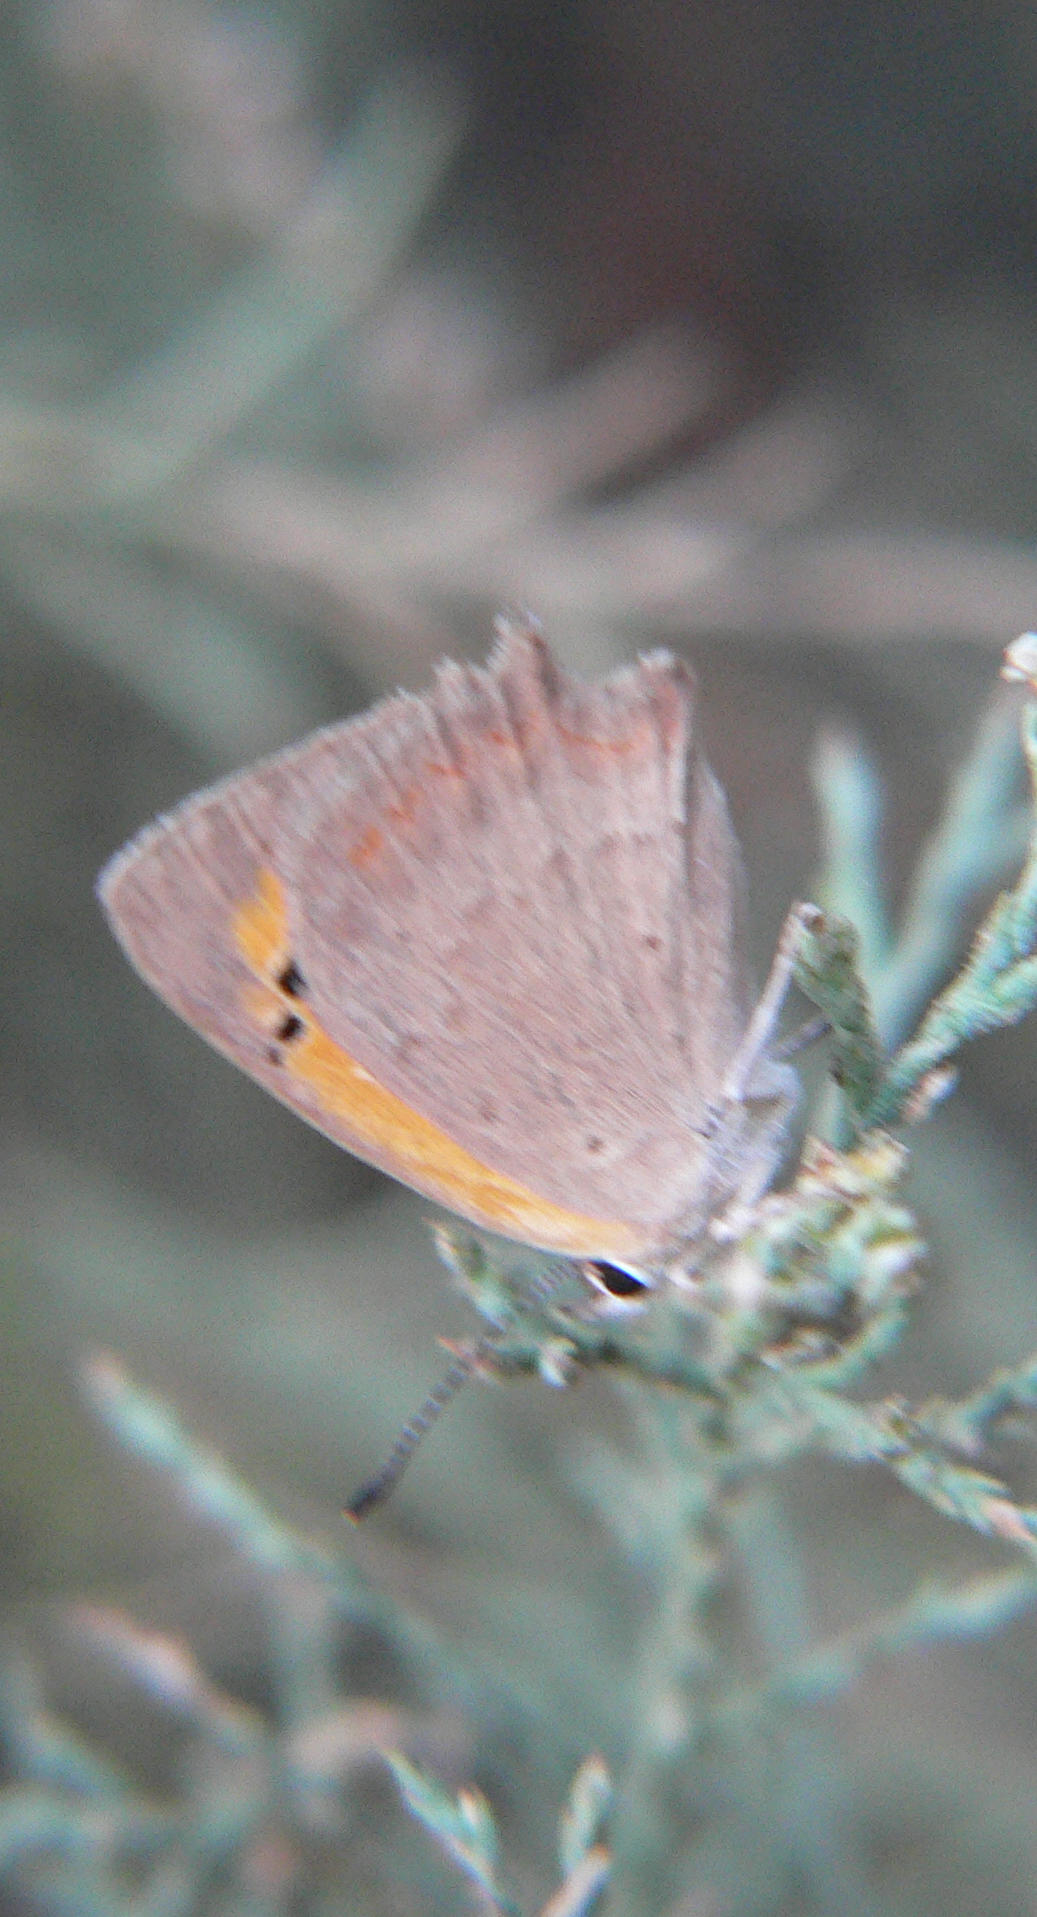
154, 1434
933, 1611
335, 255
168, 1671
997, 985
197, 662
979, 838
424, 528
852, 878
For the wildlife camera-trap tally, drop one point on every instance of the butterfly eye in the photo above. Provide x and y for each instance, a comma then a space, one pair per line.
624, 1288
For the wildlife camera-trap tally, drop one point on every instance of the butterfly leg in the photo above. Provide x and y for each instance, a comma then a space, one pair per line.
759, 1033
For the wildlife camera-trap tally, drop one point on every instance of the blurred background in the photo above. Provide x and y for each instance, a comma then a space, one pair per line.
326, 332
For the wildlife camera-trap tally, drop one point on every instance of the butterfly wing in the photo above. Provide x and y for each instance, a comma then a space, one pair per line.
487, 939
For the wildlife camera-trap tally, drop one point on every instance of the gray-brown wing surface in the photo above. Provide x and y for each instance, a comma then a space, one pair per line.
523, 898
514, 902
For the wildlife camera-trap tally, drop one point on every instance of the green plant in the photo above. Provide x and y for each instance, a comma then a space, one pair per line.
717, 1753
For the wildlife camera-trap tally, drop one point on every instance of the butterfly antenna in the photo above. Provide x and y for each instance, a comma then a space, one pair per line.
377, 1489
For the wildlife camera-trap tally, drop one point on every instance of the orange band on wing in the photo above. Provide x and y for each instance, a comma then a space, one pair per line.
261, 929
408, 1145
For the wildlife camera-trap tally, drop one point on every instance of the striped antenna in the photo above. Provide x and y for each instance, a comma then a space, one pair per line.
377, 1489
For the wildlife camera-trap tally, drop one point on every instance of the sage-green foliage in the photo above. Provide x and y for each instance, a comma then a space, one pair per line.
772, 1356
463, 1824
465, 1827
996, 986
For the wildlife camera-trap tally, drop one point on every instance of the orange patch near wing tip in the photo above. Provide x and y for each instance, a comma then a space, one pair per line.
261, 928
390, 1132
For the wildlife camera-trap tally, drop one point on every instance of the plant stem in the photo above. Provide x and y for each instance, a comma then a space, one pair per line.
677, 1664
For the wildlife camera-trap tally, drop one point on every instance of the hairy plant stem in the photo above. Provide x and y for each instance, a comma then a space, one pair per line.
678, 1664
